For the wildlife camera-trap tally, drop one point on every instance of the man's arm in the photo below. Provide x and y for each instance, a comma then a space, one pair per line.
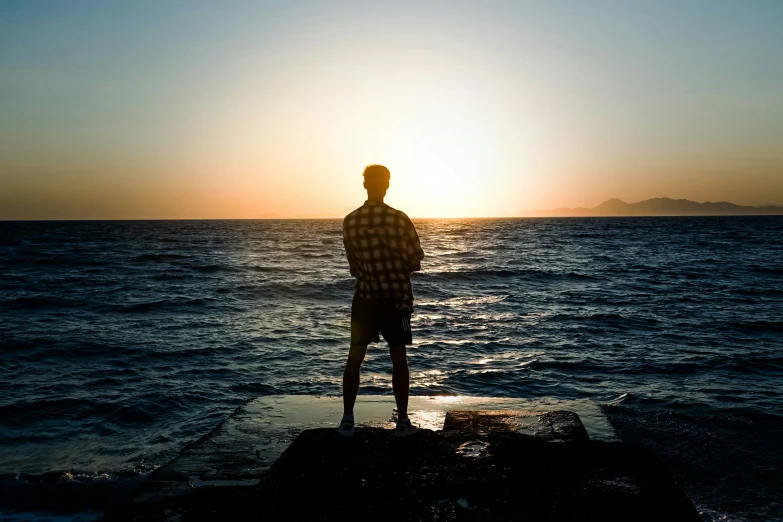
415, 253
348, 250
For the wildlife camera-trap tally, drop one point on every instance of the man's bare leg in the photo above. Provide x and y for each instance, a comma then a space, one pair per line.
400, 379
351, 376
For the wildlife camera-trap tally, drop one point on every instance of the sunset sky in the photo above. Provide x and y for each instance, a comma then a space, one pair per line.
151, 109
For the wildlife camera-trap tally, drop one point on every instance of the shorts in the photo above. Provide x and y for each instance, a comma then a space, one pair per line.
369, 318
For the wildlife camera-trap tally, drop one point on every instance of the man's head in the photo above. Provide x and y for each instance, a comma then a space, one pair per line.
376, 181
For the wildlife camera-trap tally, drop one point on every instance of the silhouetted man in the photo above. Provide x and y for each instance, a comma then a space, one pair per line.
383, 249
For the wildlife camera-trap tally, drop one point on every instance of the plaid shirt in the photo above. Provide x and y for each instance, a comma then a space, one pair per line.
383, 249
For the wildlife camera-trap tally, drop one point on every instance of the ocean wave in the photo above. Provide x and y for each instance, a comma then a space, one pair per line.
485, 275
34, 303
25, 412
761, 292
9, 345
775, 271
103, 382
213, 269
163, 305
168, 276
575, 366
265, 269
131, 416
314, 255
255, 388
68, 491
609, 319
53, 261
84, 348
189, 353
759, 326
159, 257
329, 290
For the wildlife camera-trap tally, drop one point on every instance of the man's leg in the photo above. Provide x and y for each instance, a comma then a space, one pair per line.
351, 376
400, 379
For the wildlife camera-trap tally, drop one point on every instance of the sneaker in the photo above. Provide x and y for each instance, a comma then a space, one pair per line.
346, 428
404, 428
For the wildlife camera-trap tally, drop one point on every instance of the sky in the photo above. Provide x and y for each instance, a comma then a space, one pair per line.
164, 110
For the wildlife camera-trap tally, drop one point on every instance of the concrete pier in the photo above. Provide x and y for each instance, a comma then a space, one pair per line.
243, 447
474, 459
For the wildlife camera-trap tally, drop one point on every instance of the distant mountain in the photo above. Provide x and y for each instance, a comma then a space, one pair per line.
657, 207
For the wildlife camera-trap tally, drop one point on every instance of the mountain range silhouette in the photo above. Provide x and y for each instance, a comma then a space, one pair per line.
657, 207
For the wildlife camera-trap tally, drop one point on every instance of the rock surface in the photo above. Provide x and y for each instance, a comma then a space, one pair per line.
483, 466
552, 426
242, 448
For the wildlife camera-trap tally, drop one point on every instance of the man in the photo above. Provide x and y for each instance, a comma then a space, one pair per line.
383, 249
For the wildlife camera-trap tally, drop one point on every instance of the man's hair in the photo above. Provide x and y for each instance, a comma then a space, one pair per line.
379, 172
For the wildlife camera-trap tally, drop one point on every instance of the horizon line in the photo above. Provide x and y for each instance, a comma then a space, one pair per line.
44, 220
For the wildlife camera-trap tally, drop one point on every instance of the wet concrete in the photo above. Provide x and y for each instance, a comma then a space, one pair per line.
552, 426
243, 447
483, 465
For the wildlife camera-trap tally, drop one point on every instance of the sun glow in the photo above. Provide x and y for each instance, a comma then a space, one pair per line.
446, 167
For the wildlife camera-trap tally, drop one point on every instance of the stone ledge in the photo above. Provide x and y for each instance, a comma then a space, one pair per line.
469, 471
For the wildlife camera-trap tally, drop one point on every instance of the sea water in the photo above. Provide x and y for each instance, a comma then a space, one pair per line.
122, 341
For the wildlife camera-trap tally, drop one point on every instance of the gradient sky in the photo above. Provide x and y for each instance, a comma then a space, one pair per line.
150, 109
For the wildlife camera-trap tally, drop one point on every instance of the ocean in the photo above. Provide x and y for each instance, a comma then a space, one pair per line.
120, 341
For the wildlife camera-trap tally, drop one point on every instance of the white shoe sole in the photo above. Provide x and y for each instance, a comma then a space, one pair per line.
346, 433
